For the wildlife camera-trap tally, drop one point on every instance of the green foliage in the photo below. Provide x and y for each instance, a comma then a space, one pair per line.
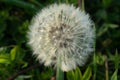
22, 77
15, 54
77, 74
87, 74
114, 76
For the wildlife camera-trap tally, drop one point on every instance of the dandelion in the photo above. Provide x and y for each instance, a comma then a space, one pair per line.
62, 30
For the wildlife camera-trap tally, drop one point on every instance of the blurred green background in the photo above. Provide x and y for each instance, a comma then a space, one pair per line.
17, 62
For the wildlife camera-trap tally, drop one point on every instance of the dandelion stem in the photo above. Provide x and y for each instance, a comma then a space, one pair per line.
60, 73
81, 4
95, 66
106, 69
94, 60
66, 1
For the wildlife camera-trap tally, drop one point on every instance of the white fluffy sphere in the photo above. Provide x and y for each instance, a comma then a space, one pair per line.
65, 30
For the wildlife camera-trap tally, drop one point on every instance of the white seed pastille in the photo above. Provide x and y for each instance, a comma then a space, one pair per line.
65, 30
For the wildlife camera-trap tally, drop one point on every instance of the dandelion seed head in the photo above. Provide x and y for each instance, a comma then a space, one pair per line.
65, 30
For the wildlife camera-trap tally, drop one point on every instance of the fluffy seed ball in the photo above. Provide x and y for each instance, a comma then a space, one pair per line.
62, 30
